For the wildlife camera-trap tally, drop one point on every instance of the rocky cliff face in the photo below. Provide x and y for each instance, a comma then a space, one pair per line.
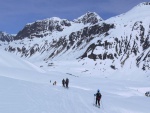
135, 47
89, 17
42, 28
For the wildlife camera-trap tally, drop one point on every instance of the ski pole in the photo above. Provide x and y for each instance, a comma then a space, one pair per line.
102, 104
94, 100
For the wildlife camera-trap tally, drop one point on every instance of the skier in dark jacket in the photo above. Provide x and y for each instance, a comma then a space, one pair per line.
63, 82
98, 98
67, 82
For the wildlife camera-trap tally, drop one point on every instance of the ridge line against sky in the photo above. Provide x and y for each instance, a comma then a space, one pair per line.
16, 14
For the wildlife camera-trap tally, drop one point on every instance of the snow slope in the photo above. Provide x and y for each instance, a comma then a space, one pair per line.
137, 13
26, 88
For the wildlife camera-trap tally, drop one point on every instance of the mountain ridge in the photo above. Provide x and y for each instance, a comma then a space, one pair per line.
119, 42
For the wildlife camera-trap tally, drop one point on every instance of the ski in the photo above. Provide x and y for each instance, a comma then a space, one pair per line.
96, 105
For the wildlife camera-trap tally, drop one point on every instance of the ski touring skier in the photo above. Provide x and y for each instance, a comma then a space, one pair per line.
67, 82
63, 82
98, 98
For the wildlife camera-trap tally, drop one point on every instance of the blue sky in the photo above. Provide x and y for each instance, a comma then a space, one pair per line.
15, 14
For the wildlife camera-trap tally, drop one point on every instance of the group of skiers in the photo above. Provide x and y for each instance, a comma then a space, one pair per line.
65, 83
98, 95
54, 83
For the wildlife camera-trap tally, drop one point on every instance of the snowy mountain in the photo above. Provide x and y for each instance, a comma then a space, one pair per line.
5, 37
128, 42
42, 28
121, 42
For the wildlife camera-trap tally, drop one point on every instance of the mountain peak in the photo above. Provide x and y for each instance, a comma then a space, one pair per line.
46, 20
89, 17
144, 3
40, 28
5, 37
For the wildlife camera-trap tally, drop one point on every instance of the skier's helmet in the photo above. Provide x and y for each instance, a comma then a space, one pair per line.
98, 90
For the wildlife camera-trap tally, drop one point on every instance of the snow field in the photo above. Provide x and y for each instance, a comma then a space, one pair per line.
26, 88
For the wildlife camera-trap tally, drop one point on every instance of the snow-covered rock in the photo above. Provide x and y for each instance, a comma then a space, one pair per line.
89, 17
5, 37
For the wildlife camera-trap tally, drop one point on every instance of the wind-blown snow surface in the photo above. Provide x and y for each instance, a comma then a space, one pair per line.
25, 88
